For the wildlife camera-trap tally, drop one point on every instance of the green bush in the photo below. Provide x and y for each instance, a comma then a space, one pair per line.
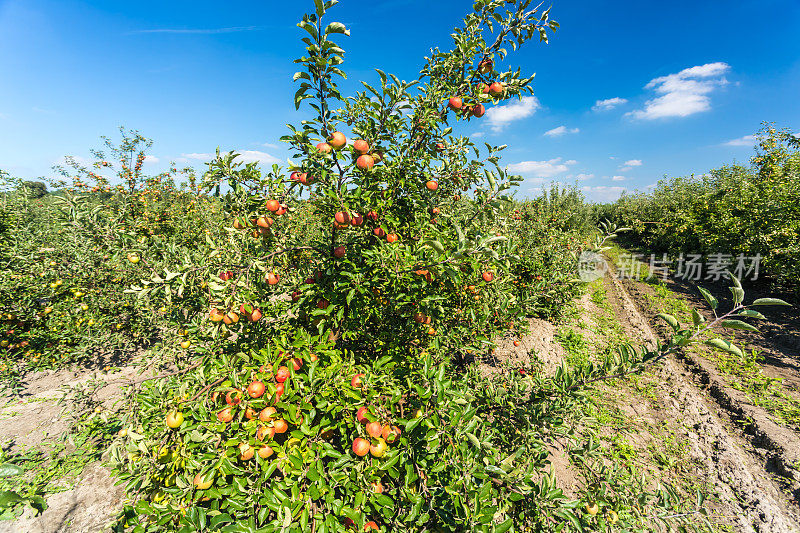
732, 210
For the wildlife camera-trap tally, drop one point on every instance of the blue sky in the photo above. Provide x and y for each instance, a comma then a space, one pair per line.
625, 93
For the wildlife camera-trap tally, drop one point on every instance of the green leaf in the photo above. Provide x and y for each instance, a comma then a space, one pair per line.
669, 319
8, 469
769, 301
738, 324
320, 8
708, 297
337, 27
474, 440
725, 346
697, 318
752, 314
8, 498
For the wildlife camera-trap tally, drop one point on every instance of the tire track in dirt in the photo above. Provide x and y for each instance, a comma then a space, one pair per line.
749, 499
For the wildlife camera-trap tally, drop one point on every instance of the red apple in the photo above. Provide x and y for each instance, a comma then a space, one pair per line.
361, 447
339, 252
455, 103
361, 146
337, 140
365, 162
256, 389
374, 429
357, 382
282, 374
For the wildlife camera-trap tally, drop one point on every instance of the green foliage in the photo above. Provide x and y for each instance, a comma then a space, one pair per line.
731, 210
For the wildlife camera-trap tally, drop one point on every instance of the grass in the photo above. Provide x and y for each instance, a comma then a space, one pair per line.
635, 456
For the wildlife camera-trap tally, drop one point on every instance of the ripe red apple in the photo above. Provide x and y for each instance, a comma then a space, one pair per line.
379, 233
455, 103
372, 215
371, 526
256, 389
488, 277
279, 389
250, 413
246, 451
374, 429
496, 88
265, 452
324, 148
264, 222
435, 211
392, 237
230, 318
485, 66
273, 205
323, 303
390, 433
272, 278
361, 447
202, 483
282, 374
377, 487
365, 162
432, 185
377, 157
357, 382
267, 414
339, 252
440, 147
297, 363
337, 140
361, 415
256, 315
226, 415
307, 179
356, 219
361, 146
296, 296
216, 315
342, 217
233, 397
280, 426
478, 110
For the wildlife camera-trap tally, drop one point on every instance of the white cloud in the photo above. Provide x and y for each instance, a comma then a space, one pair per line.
684, 93
602, 193
617, 178
559, 131
631, 163
501, 115
584, 177
151, 159
254, 156
747, 140
542, 169
198, 157
270, 145
609, 103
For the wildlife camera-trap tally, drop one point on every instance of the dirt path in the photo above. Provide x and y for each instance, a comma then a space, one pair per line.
748, 494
